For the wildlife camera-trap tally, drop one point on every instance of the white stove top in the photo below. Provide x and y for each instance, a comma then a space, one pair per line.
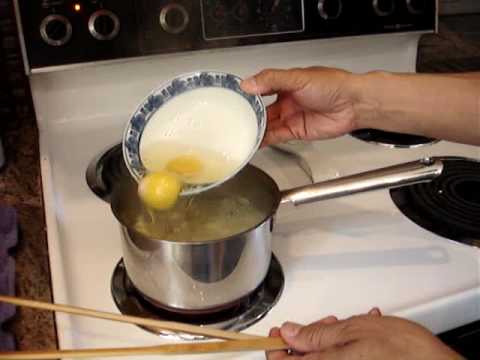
339, 256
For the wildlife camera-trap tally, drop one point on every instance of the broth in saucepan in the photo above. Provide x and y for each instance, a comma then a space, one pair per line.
238, 205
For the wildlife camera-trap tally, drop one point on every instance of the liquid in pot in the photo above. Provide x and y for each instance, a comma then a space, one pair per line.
238, 205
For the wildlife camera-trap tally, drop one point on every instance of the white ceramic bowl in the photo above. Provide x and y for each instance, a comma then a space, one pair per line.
147, 119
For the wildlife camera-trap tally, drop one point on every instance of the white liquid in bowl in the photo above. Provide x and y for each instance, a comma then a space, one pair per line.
214, 125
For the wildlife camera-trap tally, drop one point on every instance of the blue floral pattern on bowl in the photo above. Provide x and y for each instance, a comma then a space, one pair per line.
160, 96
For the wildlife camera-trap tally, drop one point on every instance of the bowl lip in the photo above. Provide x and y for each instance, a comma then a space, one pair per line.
164, 85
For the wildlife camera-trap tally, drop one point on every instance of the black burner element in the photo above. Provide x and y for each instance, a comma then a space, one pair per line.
105, 171
391, 139
238, 317
449, 206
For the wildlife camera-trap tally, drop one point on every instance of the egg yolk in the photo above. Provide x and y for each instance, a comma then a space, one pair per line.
185, 165
159, 190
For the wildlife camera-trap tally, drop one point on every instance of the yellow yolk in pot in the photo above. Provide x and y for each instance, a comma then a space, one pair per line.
159, 190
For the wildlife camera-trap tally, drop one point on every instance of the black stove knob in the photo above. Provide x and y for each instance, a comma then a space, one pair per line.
384, 7
330, 9
56, 30
174, 18
416, 7
104, 25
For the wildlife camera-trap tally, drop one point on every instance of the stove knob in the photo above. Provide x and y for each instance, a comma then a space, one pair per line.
174, 18
330, 9
416, 7
56, 30
384, 7
104, 25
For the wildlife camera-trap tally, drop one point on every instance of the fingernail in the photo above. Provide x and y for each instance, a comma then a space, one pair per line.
330, 319
274, 332
375, 311
250, 83
290, 329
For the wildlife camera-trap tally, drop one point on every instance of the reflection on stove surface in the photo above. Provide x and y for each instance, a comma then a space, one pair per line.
391, 139
449, 206
239, 316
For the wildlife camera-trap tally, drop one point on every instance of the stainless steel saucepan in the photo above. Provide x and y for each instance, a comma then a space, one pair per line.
199, 276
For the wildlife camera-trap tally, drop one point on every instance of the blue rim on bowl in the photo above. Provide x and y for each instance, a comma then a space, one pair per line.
166, 92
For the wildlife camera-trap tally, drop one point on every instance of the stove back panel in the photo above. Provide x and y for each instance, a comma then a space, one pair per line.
65, 32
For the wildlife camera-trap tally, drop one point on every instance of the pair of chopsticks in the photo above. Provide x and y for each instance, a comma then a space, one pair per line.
264, 344
235, 341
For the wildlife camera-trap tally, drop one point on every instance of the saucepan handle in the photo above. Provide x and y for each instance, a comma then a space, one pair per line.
423, 170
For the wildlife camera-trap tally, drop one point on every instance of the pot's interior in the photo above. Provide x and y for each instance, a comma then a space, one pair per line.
236, 206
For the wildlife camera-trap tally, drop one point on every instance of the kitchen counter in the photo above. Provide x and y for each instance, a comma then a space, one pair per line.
20, 187
456, 48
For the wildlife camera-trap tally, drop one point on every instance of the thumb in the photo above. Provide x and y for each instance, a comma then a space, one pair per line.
271, 81
315, 337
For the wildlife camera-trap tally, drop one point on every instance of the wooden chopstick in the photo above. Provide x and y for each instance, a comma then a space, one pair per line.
157, 324
265, 344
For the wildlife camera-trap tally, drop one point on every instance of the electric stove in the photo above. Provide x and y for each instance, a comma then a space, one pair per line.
90, 63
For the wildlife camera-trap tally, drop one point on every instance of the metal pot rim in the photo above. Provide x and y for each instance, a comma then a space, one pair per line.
197, 242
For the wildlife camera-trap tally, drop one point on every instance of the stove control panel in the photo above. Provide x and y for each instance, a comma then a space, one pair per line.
237, 19
65, 32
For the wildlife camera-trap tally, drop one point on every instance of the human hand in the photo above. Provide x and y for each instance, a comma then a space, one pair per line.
369, 337
312, 103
